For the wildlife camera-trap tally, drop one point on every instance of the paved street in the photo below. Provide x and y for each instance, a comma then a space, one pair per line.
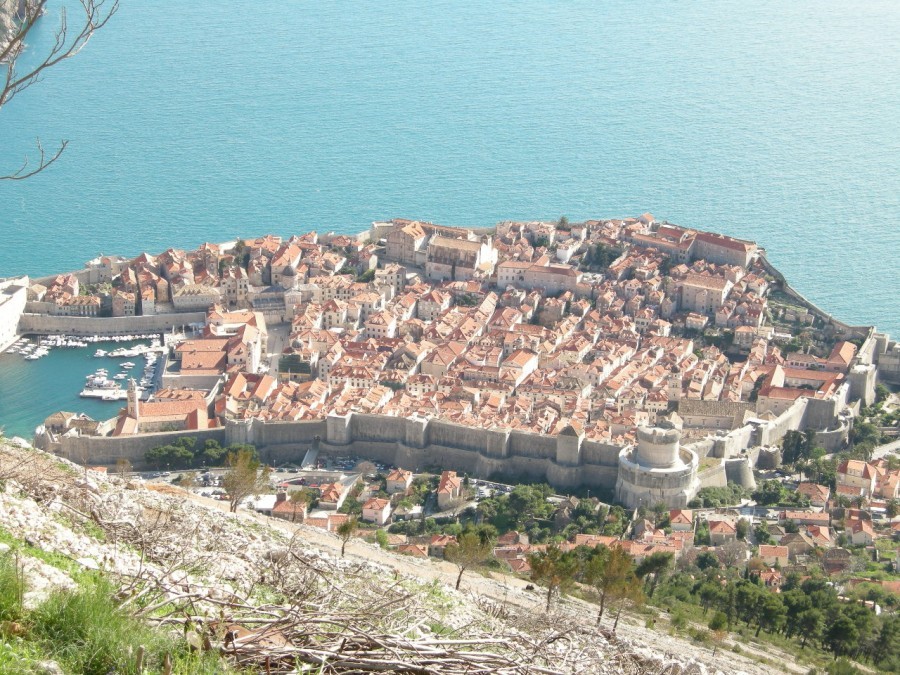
278, 337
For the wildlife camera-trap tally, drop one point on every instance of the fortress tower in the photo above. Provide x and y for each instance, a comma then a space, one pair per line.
133, 400
657, 470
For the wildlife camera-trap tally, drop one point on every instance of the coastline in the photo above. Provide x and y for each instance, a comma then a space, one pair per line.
416, 441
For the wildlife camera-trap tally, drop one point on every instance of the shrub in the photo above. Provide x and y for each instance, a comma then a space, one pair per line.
699, 635
12, 588
679, 620
718, 622
88, 633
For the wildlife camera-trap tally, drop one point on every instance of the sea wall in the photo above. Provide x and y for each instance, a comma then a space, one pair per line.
42, 324
839, 328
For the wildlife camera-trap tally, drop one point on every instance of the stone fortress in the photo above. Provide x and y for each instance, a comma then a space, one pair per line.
657, 467
657, 470
558, 375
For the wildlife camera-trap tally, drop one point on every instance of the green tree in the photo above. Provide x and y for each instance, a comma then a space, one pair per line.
792, 446
611, 572
245, 477
718, 622
893, 508
742, 528
659, 511
769, 492
886, 650
555, 569
761, 534
212, 453
710, 593
346, 530
842, 636
747, 601
654, 567
707, 560
810, 623
468, 551
770, 613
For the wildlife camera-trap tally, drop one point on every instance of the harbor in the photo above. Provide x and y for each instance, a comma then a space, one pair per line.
88, 374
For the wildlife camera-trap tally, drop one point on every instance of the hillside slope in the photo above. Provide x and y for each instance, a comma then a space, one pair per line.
274, 597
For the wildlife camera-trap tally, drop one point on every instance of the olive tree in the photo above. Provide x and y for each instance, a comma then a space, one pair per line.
469, 550
555, 569
346, 530
245, 477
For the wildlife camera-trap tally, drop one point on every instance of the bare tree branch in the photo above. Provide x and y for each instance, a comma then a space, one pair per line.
67, 42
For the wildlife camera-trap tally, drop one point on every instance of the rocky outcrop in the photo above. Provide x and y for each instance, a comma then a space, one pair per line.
268, 595
10, 10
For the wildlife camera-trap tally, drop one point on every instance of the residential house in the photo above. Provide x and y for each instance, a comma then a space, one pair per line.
721, 531
286, 509
861, 532
377, 510
681, 520
818, 494
332, 496
399, 481
449, 489
855, 473
438, 543
774, 555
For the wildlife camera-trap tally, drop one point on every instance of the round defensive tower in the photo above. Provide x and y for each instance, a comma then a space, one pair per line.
656, 470
658, 448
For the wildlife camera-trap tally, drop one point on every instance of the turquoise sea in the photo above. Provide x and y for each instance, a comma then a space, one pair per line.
198, 121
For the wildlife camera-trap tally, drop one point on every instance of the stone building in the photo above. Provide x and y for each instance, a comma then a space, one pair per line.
459, 259
657, 471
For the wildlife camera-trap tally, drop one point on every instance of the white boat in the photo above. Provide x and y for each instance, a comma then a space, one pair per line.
118, 395
128, 365
120, 376
100, 353
100, 381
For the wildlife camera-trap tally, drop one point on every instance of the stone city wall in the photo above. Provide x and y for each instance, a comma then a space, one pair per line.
714, 476
887, 356
106, 450
410, 443
838, 327
42, 324
770, 433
